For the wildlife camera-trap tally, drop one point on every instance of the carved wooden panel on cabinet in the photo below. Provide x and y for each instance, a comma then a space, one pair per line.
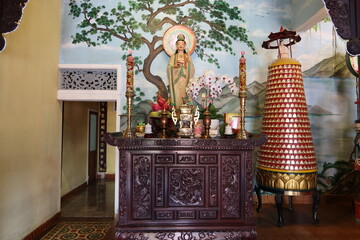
185, 188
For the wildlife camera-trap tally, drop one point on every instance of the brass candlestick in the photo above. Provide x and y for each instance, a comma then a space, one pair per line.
129, 133
242, 132
163, 123
207, 123
242, 95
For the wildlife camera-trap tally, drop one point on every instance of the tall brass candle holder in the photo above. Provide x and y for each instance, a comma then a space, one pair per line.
129, 132
242, 132
242, 95
163, 123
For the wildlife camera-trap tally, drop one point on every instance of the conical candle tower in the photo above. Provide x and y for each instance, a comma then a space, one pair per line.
286, 163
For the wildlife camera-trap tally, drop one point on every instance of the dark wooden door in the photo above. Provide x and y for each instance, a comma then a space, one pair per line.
92, 143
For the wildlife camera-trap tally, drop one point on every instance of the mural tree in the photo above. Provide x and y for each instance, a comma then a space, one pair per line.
140, 18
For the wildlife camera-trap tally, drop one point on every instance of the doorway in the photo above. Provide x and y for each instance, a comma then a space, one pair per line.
93, 146
83, 194
79, 148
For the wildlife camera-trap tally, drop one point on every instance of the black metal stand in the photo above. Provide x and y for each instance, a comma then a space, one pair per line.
279, 196
279, 200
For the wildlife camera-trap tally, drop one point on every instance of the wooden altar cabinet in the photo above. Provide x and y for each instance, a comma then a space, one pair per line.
185, 189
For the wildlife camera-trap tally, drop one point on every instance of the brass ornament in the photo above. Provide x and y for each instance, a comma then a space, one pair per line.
129, 132
291, 183
163, 123
206, 123
187, 118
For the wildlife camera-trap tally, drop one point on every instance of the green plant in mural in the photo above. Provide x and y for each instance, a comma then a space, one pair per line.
317, 25
208, 19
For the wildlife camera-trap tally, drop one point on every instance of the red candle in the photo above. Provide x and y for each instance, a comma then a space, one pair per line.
242, 71
130, 72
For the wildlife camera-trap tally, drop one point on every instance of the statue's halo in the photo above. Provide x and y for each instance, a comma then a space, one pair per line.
170, 37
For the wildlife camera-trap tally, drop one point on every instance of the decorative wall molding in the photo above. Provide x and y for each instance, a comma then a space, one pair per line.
88, 95
89, 82
72, 79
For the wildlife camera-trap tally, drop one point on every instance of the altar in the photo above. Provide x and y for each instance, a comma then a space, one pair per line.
185, 188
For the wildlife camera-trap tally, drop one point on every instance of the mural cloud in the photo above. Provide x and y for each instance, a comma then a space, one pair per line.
265, 9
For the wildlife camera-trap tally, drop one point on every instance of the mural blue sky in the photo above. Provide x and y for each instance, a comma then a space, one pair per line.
261, 17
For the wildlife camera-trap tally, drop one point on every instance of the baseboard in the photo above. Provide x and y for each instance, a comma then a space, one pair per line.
106, 176
306, 199
43, 227
337, 198
74, 191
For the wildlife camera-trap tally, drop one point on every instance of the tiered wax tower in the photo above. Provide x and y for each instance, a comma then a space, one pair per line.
287, 161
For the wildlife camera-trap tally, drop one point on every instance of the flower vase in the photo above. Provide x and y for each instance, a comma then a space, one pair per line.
214, 124
214, 127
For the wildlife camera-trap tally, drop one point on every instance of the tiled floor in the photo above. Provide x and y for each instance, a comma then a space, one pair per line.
96, 200
94, 203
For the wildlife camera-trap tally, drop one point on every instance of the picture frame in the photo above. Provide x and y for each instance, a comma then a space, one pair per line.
232, 119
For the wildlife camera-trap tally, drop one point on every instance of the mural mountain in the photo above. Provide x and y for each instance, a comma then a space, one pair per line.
229, 103
334, 66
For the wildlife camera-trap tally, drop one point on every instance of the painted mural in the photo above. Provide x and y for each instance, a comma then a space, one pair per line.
103, 32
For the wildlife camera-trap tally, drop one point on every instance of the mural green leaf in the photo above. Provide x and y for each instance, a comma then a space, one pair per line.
208, 20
